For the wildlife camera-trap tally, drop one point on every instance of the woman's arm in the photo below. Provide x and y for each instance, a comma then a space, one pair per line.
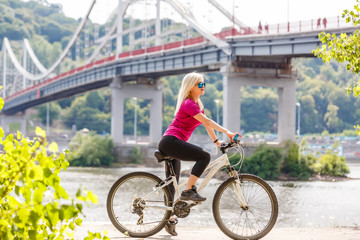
208, 123
211, 133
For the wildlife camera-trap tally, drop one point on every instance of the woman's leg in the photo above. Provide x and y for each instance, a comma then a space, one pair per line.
191, 182
185, 151
176, 164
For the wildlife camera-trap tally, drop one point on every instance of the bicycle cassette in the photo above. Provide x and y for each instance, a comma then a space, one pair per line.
180, 209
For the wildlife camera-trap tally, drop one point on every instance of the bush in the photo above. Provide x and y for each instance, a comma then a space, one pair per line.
90, 149
268, 162
135, 155
296, 165
33, 204
264, 162
331, 164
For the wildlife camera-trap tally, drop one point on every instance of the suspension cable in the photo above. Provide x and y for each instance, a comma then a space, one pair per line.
33, 77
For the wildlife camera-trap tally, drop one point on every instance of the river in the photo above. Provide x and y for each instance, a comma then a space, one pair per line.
301, 203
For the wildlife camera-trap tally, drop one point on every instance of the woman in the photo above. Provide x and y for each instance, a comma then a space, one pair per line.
189, 114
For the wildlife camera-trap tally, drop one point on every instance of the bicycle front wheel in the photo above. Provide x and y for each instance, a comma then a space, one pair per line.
133, 210
252, 223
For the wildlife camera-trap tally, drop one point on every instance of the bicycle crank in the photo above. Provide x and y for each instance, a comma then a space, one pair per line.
182, 208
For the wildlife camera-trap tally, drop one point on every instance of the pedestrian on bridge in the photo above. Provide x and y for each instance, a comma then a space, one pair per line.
324, 22
267, 28
189, 114
260, 28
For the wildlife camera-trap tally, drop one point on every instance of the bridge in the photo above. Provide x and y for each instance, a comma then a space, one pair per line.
244, 55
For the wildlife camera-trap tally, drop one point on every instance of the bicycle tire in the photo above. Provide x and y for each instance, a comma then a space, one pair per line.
250, 224
120, 205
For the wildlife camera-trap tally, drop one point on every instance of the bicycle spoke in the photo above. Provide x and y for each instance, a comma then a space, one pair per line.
133, 215
251, 223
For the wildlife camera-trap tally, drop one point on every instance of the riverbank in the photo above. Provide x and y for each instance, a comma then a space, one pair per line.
223, 175
214, 233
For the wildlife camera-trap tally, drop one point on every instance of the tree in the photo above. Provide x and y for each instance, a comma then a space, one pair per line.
90, 149
95, 100
309, 116
33, 204
331, 118
54, 112
344, 48
259, 109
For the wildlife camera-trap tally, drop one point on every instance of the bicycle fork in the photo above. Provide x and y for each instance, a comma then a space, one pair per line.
237, 188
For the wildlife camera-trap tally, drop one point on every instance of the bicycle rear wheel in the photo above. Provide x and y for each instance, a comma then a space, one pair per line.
257, 220
130, 213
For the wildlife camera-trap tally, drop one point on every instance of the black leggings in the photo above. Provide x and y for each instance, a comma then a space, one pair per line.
181, 150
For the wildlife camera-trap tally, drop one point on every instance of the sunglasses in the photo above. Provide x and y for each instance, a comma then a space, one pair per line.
201, 84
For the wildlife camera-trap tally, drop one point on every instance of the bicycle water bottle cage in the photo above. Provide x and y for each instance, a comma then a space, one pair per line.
162, 156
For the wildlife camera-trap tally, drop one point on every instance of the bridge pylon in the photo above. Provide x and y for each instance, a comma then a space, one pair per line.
272, 71
145, 89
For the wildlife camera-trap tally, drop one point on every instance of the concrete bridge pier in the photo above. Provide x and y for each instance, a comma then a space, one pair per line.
284, 81
19, 119
121, 91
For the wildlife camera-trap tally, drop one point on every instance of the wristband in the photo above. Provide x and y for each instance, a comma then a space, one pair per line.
216, 140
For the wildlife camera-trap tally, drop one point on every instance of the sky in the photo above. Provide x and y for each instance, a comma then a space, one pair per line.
250, 12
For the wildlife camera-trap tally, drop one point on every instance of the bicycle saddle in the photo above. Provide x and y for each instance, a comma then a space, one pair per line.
162, 156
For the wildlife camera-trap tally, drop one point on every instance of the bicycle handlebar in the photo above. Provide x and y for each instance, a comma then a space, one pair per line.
226, 146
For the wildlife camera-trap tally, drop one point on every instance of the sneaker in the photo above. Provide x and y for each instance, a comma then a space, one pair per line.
192, 195
170, 227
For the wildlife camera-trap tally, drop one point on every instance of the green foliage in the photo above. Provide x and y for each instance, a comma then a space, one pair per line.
54, 112
296, 165
344, 48
331, 164
142, 115
258, 106
88, 111
90, 149
264, 162
135, 155
269, 162
324, 103
33, 204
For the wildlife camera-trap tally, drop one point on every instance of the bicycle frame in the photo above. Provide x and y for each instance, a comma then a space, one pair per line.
213, 167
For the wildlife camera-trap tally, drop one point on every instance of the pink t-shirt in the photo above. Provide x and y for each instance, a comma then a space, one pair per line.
184, 122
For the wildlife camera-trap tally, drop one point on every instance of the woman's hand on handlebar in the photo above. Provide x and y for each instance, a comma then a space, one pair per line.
220, 143
231, 135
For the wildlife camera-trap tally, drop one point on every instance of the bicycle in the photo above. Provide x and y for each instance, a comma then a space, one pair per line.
139, 204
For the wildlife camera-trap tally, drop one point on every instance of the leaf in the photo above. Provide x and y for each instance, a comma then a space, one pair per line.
18, 135
39, 132
9, 147
32, 235
38, 195
91, 197
78, 221
54, 147
32, 174
60, 192
70, 234
17, 190
79, 206
47, 172
1, 103
72, 226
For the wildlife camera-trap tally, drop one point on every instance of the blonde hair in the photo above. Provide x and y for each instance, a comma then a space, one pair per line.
188, 82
